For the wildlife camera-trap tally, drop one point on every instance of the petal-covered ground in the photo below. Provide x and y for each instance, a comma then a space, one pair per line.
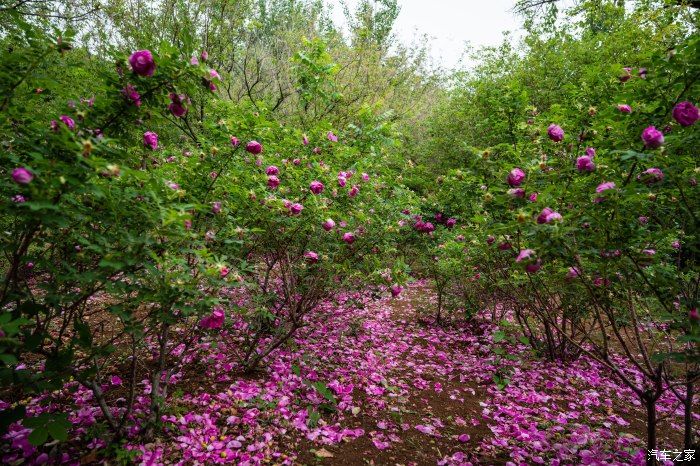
374, 381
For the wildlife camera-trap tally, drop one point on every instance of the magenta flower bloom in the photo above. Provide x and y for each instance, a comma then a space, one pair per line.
273, 181
130, 94
651, 176
605, 186
624, 108
693, 314
254, 147
178, 104
348, 237
332, 137
490, 240
311, 257
533, 197
555, 133
354, 191
590, 152
194, 61
548, 216
652, 137
342, 181
532, 268
296, 161
216, 207
516, 177
296, 208
328, 225
573, 273
517, 192
142, 63
21, 175
214, 320
525, 254
396, 290
626, 74
685, 113
235, 142
365, 177
585, 164
68, 121
451, 222
316, 187
204, 55
643, 220
150, 139
272, 170
642, 73
305, 140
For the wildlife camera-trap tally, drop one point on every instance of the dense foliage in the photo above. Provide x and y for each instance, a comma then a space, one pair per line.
189, 168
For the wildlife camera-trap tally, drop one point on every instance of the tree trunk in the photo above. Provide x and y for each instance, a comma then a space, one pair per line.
688, 420
650, 401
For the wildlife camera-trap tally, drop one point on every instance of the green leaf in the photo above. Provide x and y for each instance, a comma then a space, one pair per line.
38, 436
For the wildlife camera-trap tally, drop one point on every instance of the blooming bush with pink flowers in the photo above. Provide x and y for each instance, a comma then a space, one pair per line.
138, 226
586, 230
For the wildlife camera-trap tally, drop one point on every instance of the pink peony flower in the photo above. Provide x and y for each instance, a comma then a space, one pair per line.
296, 208
573, 273
68, 121
396, 290
490, 240
130, 94
348, 238
464, 438
354, 191
626, 74
585, 164
624, 108
651, 176
524, 254
150, 140
517, 192
22, 175
311, 257
296, 161
652, 137
216, 207
516, 177
605, 186
342, 181
685, 113
273, 181
533, 197
693, 314
643, 220
642, 73
254, 147
305, 140
365, 177
272, 170
332, 137
178, 104
451, 222
234, 141
142, 63
328, 224
590, 151
555, 133
204, 55
316, 187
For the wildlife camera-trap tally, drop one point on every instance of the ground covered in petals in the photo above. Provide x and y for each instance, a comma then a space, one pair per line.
374, 381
